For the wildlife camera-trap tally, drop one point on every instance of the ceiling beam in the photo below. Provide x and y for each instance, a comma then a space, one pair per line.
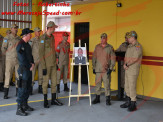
76, 2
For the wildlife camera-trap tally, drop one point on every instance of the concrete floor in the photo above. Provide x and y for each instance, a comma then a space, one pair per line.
149, 111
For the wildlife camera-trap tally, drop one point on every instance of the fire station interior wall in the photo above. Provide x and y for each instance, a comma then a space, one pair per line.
143, 16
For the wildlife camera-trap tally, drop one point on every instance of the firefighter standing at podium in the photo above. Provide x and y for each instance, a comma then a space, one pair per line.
123, 48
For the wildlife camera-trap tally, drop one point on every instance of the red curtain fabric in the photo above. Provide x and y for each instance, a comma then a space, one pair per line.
58, 37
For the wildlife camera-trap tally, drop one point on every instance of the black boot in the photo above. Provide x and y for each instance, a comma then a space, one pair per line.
20, 111
40, 89
132, 107
58, 88
66, 88
6, 93
45, 101
12, 83
26, 107
31, 90
108, 100
1, 87
49, 85
96, 100
122, 93
16, 92
54, 101
127, 103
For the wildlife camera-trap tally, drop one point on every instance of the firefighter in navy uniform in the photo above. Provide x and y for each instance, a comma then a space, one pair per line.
2, 68
26, 65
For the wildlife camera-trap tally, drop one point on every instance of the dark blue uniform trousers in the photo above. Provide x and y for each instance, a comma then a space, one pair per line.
24, 90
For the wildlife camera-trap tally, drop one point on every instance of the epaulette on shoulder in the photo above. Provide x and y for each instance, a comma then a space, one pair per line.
43, 36
7, 37
110, 45
68, 43
1, 36
124, 43
19, 37
60, 42
98, 45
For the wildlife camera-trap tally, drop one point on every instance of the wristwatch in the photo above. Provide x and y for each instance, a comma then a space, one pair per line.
126, 65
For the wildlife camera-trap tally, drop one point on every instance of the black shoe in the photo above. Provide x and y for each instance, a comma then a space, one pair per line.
54, 101
20, 111
108, 100
1, 87
40, 89
49, 86
66, 88
96, 100
58, 88
132, 107
26, 107
6, 93
45, 101
16, 92
127, 103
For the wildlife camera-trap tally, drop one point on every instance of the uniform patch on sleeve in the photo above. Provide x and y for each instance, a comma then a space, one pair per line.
5, 41
137, 47
22, 48
30, 42
42, 41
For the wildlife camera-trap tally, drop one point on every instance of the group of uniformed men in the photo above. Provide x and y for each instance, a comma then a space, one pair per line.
104, 60
27, 55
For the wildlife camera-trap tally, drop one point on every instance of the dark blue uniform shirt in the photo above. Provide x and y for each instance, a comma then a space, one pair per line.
24, 52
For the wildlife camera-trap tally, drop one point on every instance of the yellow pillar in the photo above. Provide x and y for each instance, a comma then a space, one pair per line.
44, 19
36, 20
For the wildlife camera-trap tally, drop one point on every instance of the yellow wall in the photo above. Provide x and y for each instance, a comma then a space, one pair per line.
143, 16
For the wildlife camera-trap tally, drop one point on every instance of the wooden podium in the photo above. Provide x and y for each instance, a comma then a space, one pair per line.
79, 77
120, 57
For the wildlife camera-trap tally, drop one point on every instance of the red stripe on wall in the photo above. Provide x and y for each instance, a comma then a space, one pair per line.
152, 63
90, 53
155, 63
144, 57
153, 58
15, 20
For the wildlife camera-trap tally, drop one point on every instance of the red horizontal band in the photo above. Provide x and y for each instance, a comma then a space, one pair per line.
153, 58
15, 20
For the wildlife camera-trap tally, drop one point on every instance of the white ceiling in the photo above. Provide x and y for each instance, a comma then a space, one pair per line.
78, 2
